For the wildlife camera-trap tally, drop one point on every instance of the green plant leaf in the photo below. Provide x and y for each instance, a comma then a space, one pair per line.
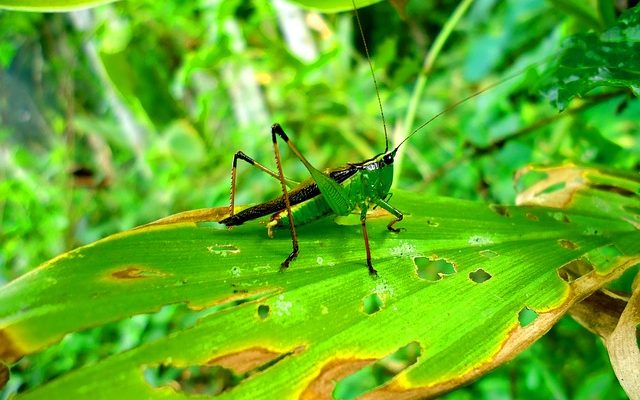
50, 6
331, 6
590, 60
464, 287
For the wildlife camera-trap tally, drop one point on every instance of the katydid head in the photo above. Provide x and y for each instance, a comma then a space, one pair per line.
378, 172
389, 156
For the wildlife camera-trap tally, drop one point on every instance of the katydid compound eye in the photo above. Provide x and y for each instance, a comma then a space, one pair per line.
388, 159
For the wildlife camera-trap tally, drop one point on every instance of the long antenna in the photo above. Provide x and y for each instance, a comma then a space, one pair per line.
471, 96
373, 75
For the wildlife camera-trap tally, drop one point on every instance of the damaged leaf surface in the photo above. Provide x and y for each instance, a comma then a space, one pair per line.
309, 327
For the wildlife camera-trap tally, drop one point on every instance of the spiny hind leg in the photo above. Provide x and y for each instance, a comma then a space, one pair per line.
394, 211
276, 131
242, 156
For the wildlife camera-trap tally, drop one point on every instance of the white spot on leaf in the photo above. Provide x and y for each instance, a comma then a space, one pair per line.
404, 250
477, 240
282, 308
383, 289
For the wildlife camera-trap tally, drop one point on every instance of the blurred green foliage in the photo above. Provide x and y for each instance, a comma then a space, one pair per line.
117, 116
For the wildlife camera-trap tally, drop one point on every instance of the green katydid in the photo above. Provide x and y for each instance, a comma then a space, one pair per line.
354, 188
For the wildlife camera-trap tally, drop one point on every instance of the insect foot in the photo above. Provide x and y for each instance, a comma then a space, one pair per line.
287, 261
372, 271
390, 225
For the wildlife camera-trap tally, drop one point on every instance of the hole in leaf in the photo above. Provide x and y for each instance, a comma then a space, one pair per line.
378, 373
526, 316
433, 270
527, 179
614, 189
532, 217
560, 216
196, 379
372, 304
552, 188
501, 210
488, 253
479, 275
216, 375
567, 244
574, 269
263, 311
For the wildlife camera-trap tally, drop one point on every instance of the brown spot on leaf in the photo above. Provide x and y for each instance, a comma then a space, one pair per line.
245, 360
9, 350
556, 189
568, 244
322, 385
4, 375
532, 217
560, 216
133, 272
500, 210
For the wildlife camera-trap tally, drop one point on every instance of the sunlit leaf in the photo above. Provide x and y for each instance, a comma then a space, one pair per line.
500, 277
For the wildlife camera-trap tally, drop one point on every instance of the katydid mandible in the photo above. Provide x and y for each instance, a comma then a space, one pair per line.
354, 188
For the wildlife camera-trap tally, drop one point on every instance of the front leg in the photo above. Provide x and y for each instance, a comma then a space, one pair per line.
394, 211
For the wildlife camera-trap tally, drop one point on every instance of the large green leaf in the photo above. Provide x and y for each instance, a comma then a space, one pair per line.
50, 6
454, 285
